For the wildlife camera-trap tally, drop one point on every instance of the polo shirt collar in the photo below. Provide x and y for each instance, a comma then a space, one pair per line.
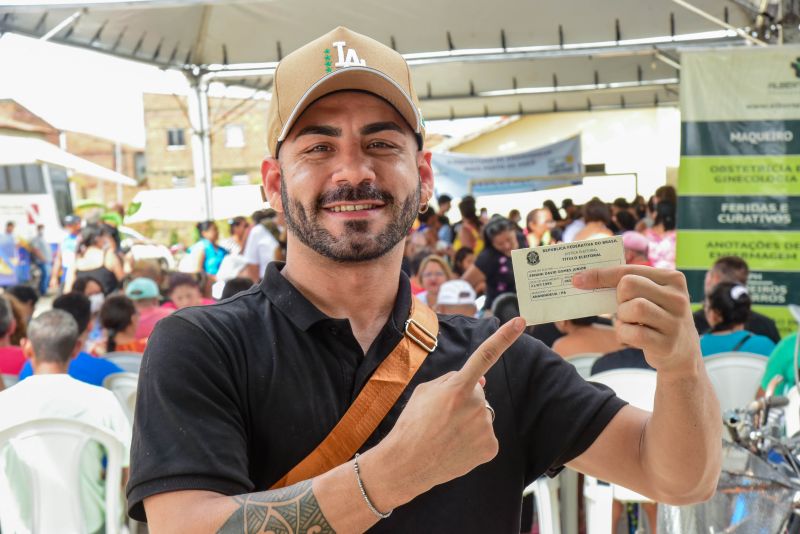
303, 314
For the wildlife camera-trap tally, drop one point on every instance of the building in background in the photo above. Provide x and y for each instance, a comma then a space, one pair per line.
238, 140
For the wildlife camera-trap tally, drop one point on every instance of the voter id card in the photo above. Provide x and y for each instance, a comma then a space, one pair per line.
544, 279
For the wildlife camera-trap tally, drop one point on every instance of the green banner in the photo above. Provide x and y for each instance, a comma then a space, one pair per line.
768, 288
739, 213
747, 138
739, 177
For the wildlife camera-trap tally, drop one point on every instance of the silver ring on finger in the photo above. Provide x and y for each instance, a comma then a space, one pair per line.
491, 410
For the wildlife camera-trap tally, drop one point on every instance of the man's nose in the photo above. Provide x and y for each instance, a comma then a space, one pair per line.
354, 166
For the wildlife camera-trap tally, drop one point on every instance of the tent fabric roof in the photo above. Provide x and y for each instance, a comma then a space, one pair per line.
565, 55
18, 150
186, 204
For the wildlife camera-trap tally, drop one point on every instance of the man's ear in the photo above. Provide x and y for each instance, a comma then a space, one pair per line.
271, 181
425, 175
77, 348
27, 348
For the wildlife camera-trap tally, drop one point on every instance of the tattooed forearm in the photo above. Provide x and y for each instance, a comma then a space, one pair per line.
292, 510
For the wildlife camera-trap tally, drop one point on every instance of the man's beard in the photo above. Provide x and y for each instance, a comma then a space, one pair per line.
356, 244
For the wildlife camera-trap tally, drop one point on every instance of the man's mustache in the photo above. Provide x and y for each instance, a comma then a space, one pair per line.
348, 193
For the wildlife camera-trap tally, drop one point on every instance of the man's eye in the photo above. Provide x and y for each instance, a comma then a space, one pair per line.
379, 144
319, 148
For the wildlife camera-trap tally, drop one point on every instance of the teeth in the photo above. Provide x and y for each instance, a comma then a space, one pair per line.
351, 207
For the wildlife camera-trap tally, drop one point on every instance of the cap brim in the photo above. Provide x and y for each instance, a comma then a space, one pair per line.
357, 79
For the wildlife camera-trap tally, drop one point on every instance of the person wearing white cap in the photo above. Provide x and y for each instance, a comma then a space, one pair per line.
457, 297
328, 399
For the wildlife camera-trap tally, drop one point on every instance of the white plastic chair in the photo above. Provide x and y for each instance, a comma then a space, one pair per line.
130, 362
583, 362
9, 380
545, 492
736, 377
638, 388
49, 451
123, 386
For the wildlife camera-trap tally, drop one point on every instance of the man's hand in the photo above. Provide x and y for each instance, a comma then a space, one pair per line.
653, 311
445, 430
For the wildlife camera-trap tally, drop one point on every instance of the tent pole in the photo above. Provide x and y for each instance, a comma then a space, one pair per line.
201, 142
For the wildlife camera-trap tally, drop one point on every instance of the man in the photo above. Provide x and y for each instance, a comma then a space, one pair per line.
11, 357
260, 247
444, 202
734, 269
43, 258
53, 341
264, 377
635, 246
8, 256
83, 367
65, 255
146, 297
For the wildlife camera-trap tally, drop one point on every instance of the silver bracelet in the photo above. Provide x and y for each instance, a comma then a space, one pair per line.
364, 493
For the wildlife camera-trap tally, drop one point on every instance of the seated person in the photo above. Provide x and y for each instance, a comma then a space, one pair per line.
635, 246
456, 297
53, 340
781, 363
145, 296
11, 357
184, 291
26, 297
727, 309
83, 367
119, 318
734, 269
583, 336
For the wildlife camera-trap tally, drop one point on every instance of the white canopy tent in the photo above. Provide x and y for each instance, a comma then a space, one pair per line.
15, 150
186, 205
470, 58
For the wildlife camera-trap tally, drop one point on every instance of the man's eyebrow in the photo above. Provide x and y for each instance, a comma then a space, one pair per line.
376, 127
315, 129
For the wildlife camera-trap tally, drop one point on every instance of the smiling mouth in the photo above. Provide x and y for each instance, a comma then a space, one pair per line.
353, 207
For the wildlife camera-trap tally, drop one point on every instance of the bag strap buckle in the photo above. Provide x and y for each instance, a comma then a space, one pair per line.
430, 344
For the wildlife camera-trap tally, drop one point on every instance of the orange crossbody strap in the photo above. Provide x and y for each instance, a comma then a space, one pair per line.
375, 400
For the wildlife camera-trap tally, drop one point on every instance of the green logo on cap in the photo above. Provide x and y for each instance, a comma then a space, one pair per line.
328, 63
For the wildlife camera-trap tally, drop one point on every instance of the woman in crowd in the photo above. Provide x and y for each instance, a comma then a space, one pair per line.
119, 318
662, 236
539, 225
462, 260
583, 336
234, 244
206, 252
433, 272
493, 264
96, 259
469, 229
727, 308
597, 217
93, 289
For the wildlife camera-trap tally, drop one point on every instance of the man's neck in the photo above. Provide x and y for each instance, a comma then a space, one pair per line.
364, 292
49, 368
5, 341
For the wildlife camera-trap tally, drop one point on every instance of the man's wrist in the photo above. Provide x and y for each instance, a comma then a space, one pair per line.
388, 479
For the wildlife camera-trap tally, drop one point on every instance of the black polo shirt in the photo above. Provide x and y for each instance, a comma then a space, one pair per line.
233, 395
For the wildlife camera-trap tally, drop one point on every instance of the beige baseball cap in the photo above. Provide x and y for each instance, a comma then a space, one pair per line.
339, 60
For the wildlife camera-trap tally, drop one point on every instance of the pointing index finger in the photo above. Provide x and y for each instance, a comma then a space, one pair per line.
489, 352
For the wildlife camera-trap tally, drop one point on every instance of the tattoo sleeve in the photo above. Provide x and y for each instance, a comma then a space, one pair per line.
290, 510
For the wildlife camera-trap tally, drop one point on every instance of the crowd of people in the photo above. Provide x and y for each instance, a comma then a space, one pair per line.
462, 267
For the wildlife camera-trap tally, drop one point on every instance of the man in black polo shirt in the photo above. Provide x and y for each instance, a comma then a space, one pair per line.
232, 396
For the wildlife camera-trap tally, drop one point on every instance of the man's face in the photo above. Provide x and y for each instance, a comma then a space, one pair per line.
712, 279
350, 178
9, 228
